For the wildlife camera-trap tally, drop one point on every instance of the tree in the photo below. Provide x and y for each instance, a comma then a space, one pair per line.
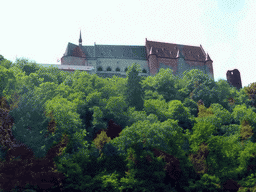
163, 83
30, 68
6, 63
251, 92
2, 58
50, 74
177, 111
157, 107
198, 85
134, 92
7, 81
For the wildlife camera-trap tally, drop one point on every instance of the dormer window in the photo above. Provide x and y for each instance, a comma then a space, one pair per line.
189, 52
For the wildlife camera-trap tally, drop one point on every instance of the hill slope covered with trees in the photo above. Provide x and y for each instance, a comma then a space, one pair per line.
64, 131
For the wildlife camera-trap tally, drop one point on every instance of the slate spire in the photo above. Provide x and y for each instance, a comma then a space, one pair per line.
80, 40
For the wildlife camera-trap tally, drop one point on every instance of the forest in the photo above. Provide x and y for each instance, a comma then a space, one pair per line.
62, 131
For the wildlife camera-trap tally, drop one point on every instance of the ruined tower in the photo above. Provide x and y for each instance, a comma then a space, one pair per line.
234, 78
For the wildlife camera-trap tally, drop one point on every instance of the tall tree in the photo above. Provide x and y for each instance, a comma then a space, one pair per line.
134, 92
2, 58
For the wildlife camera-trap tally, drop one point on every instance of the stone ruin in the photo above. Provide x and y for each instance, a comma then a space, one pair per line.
234, 78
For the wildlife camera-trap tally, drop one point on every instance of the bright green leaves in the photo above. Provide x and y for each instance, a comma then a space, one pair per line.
32, 80
221, 113
101, 140
50, 74
201, 133
165, 136
241, 112
157, 107
206, 183
46, 91
7, 81
164, 83
173, 110
64, 113
116, 107
97, 118
177, 111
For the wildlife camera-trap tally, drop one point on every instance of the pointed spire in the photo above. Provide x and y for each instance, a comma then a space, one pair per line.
208, 58
151, 51
80, 39
179, 54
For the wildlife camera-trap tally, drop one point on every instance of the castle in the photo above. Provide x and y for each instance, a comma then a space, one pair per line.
109, 60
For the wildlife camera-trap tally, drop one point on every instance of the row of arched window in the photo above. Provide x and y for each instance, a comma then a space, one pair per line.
118, 69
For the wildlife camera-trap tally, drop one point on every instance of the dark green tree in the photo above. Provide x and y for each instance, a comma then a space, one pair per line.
134, 92
30, 68
5, 62
2, 58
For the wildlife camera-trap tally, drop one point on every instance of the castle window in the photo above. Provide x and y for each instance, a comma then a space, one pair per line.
144, 71
126, 69
117, 62
99, 69
117, 69
108, 69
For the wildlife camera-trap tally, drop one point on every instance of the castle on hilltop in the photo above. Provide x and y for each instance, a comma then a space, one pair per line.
109, 60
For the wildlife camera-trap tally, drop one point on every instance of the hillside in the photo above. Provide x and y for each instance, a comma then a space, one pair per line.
64, 131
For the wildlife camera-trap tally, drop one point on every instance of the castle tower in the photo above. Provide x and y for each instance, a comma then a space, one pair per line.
208, 64
180, 63
152, 62
234, 78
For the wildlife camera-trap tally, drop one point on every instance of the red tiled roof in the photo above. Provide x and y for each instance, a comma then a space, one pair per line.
78, 52
170, 50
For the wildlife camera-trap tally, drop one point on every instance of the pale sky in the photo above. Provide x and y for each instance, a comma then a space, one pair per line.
41, 30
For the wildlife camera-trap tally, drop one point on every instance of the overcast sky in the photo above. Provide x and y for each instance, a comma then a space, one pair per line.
41, 30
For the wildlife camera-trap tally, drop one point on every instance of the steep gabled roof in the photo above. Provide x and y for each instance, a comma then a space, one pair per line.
78, 52
170, 50
162, 50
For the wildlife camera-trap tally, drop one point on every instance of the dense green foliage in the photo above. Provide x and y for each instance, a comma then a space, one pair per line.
206, 127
